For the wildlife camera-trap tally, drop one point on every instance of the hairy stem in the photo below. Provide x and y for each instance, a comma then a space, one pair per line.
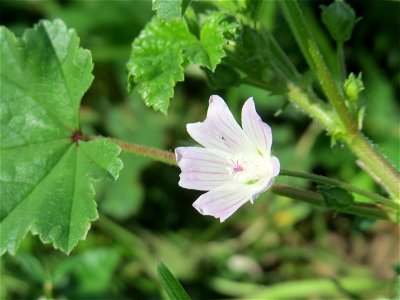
315, 108
341, 60
311, 52
346, 129
145, 151
378, 164
318, 200
335, 182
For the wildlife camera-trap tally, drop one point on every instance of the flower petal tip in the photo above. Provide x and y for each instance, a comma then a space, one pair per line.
215, 98
198, 208
250, 101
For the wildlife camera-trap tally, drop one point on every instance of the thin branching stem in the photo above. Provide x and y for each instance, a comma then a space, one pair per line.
317, 199
341, 59
163, 156
335, 182
315, 60
346, 127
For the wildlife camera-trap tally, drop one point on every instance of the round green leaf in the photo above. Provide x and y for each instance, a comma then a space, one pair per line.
47, 169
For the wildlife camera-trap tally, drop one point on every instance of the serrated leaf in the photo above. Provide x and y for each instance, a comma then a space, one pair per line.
336, 197
170, 284
162, 50
157, 59
170, 9
46, 168
213, 38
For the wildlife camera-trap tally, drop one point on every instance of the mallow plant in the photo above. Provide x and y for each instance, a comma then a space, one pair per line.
48, 165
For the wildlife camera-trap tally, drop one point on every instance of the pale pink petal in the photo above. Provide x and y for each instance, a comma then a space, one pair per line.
258, 131
202, 169
220, 131
262, 189
227, 146
276, 166
275, 172
224, 200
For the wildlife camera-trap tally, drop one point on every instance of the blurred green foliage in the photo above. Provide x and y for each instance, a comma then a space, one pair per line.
274, 249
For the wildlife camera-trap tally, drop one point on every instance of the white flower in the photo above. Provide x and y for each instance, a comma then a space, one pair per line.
234, 166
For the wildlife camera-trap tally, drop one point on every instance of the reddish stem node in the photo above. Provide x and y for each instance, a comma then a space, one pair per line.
76, 136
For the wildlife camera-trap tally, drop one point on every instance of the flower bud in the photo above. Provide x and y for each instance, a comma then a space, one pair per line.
353, 86
339, 18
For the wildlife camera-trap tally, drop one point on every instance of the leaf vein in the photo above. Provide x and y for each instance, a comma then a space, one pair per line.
46, 109
60, 64
32, 144
35, 186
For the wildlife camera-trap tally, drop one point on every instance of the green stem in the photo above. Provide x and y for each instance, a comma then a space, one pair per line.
376, 162
317, 199
349, 133
311, 52
315, 108
145, 151
335, 182
341, 60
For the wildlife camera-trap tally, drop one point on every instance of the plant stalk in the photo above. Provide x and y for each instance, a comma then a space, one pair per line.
317, 199
315, 108
311, 52
350, 133
378, 164
335, 182
149, 152
340, 59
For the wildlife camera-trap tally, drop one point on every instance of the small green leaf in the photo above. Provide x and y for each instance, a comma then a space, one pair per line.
157, 59
47, 169
213, 38
170, 9
335, 197
162, 50
170, 284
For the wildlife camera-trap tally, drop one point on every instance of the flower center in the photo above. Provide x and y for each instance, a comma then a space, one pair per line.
237, 168
250, 169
